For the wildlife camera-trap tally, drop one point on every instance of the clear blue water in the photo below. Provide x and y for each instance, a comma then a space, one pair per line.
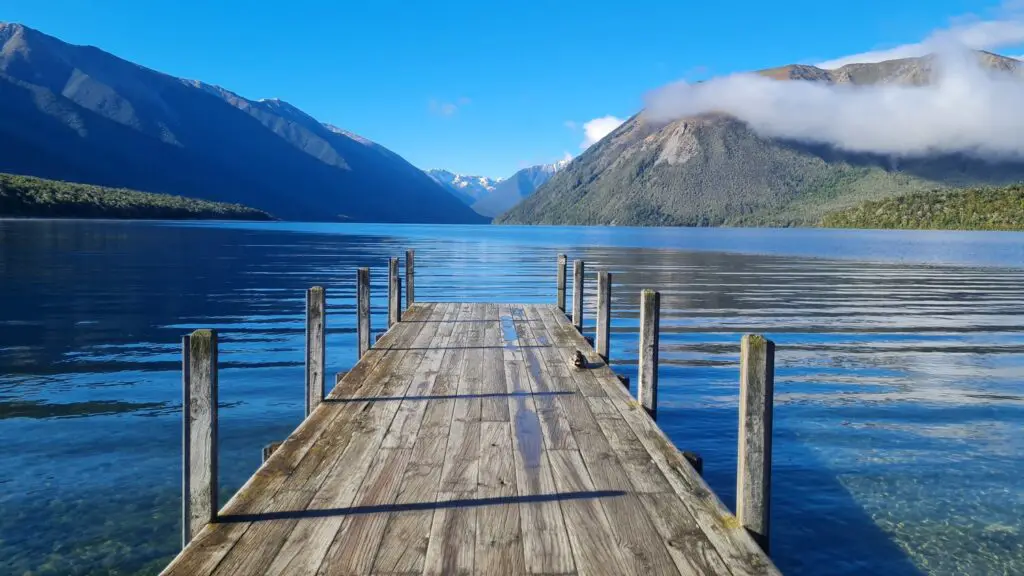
900, 371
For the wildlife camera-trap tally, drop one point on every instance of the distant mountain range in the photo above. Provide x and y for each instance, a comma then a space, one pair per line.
713, 169
468, 189
79, 114
491, 197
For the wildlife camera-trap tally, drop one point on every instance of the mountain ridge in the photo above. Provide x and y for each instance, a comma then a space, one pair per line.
77, 113
714, 169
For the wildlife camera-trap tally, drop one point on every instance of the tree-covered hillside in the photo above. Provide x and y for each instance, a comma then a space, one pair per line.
967, 209
28, 197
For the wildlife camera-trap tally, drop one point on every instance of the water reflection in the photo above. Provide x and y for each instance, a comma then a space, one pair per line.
899, 395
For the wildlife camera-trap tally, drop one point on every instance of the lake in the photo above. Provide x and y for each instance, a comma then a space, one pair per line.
899, 409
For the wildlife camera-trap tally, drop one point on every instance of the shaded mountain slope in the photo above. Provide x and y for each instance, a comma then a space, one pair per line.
78, 113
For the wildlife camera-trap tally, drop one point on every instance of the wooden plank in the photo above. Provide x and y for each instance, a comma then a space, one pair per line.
404, 429
737, 549
403, 547
199, 434
545, 539
453, 530
647, 385
299, 460
687, 543
410, 277
563, 345
545, 387
356, 543
394, 293
754, 458
493, 406
499, 541
306, 543
560, 283
628, 523
593, 548
604, 314
316, 346
577, 295
363, 310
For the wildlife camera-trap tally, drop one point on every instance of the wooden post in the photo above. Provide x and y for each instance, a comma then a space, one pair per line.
316, 345
363, 310
269, 450
410, 273
604, 314
754, 472
647, 386
577, 295
560, 298
199, 433
394, 293
696, 461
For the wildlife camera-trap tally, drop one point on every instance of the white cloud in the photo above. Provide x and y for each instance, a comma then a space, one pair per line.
967, 109
566, 156
598, 128
1007, 31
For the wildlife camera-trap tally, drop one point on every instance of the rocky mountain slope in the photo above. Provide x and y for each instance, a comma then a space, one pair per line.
77, 113
712, 169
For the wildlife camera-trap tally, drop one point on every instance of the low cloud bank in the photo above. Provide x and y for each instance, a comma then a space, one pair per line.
967, 109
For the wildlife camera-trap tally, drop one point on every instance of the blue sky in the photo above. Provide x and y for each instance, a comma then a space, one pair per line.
484, 87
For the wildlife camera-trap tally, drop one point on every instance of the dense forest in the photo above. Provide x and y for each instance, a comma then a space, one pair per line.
965, 209
28, 197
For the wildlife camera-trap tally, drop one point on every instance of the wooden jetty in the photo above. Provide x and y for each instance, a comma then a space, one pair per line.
475, 438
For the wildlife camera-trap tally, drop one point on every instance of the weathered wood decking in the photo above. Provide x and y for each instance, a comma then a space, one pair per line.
466, 442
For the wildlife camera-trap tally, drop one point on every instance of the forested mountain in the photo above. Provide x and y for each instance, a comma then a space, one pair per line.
713, 169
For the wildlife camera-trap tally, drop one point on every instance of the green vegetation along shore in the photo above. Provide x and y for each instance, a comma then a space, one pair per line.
991, 208
28, 197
